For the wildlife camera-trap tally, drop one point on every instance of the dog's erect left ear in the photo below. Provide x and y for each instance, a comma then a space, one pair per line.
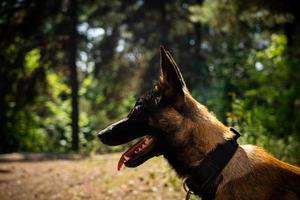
170, 77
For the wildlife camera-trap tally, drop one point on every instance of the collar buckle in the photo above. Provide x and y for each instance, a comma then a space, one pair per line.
236, 133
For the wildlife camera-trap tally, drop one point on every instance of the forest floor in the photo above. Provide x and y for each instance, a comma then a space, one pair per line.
44, 177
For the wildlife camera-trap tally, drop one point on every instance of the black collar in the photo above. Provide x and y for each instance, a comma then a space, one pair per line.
206, 177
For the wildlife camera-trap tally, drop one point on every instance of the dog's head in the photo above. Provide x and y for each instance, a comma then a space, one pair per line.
162, 117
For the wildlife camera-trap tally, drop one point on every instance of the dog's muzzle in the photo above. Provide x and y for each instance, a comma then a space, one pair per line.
122, 132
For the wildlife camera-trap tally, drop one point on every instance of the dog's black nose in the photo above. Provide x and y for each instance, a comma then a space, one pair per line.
102, 135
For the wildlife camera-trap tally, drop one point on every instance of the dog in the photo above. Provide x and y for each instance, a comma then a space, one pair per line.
170, 122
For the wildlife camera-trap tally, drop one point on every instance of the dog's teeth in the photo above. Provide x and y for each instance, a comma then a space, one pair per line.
126, 158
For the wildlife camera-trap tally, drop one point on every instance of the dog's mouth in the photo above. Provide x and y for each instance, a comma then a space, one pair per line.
143, 150
125, 131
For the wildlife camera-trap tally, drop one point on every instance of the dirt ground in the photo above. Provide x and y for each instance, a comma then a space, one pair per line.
34, 177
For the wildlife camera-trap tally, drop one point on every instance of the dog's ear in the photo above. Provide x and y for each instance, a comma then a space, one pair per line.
171, 79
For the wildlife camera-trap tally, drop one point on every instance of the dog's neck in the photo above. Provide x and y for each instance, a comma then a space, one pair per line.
205, 132
208, 132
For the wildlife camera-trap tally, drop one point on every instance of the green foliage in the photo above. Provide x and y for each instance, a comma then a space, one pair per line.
257, 66
241, 59
29, 135
260, 113
32, 61
252, 126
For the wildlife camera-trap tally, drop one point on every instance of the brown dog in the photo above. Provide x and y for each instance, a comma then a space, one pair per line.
198, 146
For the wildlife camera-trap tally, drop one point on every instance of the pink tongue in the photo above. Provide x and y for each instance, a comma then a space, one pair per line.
129, 153
121, 162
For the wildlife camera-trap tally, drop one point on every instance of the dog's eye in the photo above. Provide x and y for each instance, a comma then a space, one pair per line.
157, 100
137, 110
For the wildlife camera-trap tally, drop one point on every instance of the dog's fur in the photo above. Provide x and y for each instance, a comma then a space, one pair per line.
186, 131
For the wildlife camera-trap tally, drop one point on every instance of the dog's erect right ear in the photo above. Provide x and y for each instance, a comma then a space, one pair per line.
170, 77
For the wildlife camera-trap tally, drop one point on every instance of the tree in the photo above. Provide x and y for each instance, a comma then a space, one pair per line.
72, 56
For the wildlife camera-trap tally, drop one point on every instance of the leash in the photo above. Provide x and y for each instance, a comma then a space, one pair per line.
206, 177
189, 192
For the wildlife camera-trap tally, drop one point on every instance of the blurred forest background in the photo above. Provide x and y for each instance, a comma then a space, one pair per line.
69, 68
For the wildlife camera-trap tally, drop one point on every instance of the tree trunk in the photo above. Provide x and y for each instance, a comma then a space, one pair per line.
3, 122
72, 51
7, 143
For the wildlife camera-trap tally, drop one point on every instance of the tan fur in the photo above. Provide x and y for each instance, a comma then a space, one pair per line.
254, 174
251, 174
